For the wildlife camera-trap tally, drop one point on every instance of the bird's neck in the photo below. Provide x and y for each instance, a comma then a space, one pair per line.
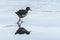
27, 10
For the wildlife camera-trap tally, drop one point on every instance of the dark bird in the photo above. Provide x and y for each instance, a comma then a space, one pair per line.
22, 30
22, 13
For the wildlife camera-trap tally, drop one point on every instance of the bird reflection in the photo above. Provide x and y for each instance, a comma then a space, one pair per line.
22, 30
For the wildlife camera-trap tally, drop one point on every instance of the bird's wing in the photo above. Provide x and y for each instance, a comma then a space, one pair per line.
20, 11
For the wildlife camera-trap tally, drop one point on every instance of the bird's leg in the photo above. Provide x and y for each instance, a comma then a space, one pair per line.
18, 21
19, 24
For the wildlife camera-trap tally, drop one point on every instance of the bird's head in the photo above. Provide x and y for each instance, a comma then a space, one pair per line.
28, 8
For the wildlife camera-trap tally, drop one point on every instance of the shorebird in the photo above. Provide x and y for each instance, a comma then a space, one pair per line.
22, 13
